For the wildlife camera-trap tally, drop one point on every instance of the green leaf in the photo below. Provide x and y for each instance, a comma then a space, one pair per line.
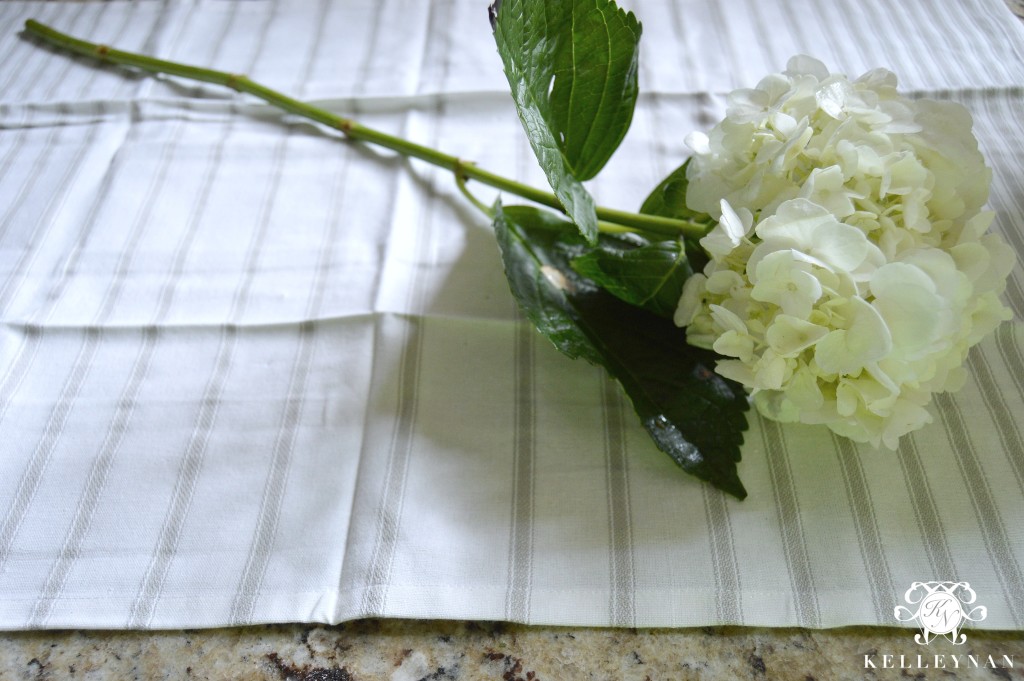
668, 200
650, 276
691, 413
572, 68
535, 273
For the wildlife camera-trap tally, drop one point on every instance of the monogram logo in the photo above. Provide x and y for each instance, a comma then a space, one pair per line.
942, 609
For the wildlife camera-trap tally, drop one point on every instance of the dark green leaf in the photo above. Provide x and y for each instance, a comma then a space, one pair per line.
572, 68
535, 273
691, 413
650, 276
669, 198
544, 220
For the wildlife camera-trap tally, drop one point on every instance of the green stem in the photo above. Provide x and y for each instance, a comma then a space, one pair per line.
460, 182
651, 224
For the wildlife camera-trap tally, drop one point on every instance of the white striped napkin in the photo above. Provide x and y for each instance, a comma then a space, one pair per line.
252, 373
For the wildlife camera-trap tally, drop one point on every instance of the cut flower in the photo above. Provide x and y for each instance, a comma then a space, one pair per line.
850, 270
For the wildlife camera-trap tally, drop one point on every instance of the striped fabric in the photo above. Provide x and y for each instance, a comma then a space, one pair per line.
252, 373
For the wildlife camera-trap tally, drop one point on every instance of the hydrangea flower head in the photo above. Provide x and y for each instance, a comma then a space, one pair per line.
850, 270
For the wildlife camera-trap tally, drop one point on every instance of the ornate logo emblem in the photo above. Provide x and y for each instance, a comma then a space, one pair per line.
942, 608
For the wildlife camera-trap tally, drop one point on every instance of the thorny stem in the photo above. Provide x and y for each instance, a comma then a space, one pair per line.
463, 170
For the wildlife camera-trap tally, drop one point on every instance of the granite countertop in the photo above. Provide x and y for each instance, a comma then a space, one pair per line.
401, 650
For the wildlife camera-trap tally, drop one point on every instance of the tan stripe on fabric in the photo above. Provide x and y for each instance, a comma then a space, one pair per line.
728, 585
929, 524
28, 484
393, 493
727, 41
284, 443
1000, 130
622, 605
20, 367
790, 23
690, 69
787, 509
952, 26
760, 26
121, 420
990, 520
30, 52
54, 428
846, 52
13, 153
911, 31
44, 219
999, 411
148, 593
58, 194
14, 15
1010, 350
865, 520
914, 71
520, 544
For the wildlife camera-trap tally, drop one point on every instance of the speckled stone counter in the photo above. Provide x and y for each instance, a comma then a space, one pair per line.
463, 651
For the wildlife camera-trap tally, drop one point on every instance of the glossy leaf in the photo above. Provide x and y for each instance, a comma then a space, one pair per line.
536, 274
650, 276
572, 69
669, 198
691, 413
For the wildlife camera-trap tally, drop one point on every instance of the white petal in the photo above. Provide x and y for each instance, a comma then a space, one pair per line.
734, 344
735, 370
803, 390
690, 300
745, 105
1004, 259
914, 316
906, 417
729, 232
776, 405
832, 98
902, 174
698, 142
841, 246
977, 225
889, 279
868, 338
789, 336
824, 186
724, 282
735, 223
782, 280
727, 319
794, 220
972, 259
865, 341
770, 373
803, 64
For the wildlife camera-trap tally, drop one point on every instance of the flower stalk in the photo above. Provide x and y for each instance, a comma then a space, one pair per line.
613, 220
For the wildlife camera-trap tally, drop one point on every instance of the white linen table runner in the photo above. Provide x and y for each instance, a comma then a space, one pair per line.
250, 372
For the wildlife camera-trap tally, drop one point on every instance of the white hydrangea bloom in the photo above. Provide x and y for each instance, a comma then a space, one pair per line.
850, 270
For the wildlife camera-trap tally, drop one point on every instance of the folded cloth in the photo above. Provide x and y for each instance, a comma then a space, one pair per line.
252, 373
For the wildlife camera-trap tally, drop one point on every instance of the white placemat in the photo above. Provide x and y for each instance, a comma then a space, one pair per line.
252, 373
